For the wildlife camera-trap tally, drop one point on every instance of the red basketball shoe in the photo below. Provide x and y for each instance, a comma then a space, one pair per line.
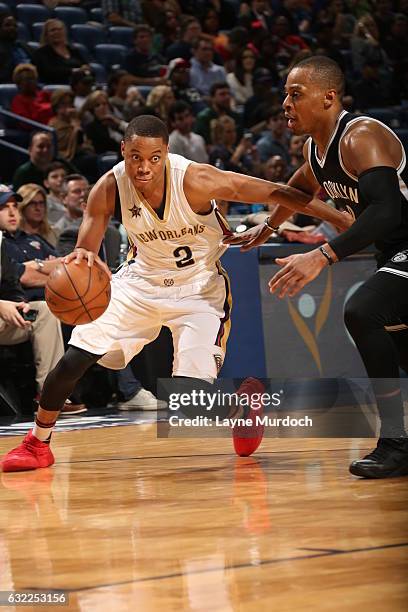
30, 455
247, 438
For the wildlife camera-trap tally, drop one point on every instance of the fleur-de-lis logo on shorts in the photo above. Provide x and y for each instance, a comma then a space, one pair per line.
306, 309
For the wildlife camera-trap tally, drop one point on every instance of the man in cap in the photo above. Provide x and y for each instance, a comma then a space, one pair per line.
43, 330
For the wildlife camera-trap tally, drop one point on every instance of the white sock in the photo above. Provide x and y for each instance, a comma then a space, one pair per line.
42, 432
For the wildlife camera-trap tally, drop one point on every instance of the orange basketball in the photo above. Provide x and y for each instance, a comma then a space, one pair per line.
76, 293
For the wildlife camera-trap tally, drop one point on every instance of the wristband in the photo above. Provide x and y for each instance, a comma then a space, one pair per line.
326, 255
274, 229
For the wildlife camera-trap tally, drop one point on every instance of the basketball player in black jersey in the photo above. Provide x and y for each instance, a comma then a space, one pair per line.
359, 162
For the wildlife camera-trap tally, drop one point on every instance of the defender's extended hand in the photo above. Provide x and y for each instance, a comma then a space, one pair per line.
251, 238
297, 271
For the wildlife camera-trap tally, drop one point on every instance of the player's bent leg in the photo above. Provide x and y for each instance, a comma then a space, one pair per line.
378, 304
34, 451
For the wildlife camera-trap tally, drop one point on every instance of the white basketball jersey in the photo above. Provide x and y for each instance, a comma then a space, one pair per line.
178, 249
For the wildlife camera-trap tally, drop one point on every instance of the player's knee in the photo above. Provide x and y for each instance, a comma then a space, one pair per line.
361, 313
75, 362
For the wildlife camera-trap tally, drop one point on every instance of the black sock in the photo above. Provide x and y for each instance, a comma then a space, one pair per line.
391, 411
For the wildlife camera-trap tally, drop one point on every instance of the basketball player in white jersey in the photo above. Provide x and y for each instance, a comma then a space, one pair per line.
172, 277
361, 164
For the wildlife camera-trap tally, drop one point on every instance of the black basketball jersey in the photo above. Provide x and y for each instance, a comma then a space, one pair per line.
342, 187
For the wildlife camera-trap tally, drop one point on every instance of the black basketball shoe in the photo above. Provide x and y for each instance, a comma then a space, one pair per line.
388, 460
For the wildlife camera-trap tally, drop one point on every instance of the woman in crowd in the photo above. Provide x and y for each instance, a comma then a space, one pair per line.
119, 83
105, 130
30, 101
56, 59
73, 146
226, 155
159, 101
240, 80
33, 209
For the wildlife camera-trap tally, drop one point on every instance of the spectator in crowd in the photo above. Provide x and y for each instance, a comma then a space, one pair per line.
12, 51
296, 153
287, 44
240, 80
154, 11
275, 169
256, 11
343, 20
168, 32
183, 140
204, 73
73, 145
226, 154
122, 12
190, 30
160, 100
259, 104
220, 97
54, 182
30, 101
238, 40
41, 153
370, 91
119, 82
24, 259
384, 17
323, 44
179, 75
266, 49
105, 131
76, 191
82, 82
275, 140
56, 59
211, 26
365, 46
33, 213
134, 105
148, 67
396, 43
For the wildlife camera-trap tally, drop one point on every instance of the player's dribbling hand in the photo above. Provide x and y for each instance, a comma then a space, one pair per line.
297, 271
251, 238
79, 254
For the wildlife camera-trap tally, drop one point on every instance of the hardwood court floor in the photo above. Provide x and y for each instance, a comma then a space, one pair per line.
127, 522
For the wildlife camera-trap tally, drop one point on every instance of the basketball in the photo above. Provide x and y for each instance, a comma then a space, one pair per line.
76, 293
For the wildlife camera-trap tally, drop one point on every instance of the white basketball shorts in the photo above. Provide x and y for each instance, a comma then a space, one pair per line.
198, 316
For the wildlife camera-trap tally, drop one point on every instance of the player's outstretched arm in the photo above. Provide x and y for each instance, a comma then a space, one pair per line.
203, 183
100, 207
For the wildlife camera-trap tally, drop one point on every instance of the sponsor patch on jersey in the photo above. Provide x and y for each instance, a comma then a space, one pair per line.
168, 282
402, 256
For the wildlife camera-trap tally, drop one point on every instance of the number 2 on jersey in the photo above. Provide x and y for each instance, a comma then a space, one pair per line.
184, 256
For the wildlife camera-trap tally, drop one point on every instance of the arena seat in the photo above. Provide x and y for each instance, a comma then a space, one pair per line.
96, 14
70, 15
99, 72
22, 30
32, 13
109, 55
7, 93
36, 29
121, 35
88, 35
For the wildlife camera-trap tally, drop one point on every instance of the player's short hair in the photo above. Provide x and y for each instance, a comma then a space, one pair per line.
325, 71
147, 126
